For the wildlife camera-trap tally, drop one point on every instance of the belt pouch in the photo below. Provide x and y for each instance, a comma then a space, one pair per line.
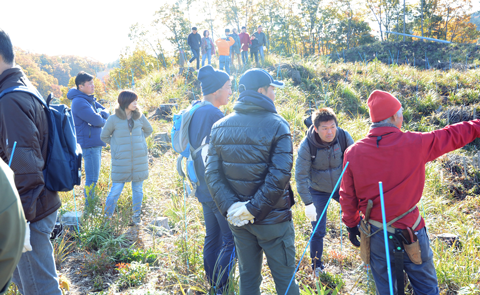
414, 252
365, 230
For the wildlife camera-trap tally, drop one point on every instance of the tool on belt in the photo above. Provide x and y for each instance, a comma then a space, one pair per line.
404, 240
365, 229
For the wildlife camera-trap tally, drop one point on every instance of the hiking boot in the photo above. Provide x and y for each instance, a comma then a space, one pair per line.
318, 271
136, 220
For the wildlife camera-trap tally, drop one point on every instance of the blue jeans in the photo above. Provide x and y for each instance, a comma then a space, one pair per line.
196, 55
422, 277
245, 57
208, 55
224, 61
320, 200
35, 272
254, 54
116, 191
219, 248
92, 159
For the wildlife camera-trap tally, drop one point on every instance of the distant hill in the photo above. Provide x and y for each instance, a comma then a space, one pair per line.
475, 19
52, 73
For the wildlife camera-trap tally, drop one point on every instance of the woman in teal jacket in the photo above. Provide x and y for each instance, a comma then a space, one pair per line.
126, 132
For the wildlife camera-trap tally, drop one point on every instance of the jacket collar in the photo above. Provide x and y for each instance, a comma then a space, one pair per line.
136, 114
383, 130
74, 92
7, 74
251, 100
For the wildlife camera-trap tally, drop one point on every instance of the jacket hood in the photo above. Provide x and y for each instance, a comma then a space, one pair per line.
315, 139
11, 77
136, 114
251, 100
74, 92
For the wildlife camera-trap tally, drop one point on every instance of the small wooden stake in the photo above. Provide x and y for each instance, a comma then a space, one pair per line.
465, 166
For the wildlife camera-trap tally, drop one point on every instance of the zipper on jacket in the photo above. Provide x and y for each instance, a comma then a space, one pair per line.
332, 149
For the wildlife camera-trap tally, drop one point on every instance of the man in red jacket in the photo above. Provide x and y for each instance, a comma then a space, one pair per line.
398, 160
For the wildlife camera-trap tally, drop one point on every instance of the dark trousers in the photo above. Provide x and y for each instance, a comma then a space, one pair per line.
252, 54
218, 250
245, 57
196, 55
422, 276
320, 200
278, 243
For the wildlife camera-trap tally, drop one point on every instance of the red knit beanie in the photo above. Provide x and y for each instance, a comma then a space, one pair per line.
382, 105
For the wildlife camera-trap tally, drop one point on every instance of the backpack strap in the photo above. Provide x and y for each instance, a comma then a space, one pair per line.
342, 139
25, 89
313, 150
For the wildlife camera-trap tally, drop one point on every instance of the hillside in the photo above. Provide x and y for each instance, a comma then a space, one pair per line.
52, 73
108, 257
424, 55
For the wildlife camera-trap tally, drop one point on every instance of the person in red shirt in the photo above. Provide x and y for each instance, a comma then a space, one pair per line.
398, 160
245, 44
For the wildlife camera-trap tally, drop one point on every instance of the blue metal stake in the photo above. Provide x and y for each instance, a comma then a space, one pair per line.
387, 252
75, 206
341, 227
185, 206
13, 152
315, 229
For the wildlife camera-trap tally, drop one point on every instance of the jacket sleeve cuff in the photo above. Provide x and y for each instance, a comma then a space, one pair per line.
254, 211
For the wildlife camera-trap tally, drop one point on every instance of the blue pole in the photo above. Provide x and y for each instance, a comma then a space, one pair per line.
450, 61
185, 206
387, 252
75, 205
318, 222
341, 227
13, 152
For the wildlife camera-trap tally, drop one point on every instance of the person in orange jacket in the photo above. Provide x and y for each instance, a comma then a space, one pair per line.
223, 45
397, 159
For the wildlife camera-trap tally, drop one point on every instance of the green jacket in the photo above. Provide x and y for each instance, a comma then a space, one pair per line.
12, 229
128, 149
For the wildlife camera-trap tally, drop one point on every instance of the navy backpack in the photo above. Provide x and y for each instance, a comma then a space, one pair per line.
63, 168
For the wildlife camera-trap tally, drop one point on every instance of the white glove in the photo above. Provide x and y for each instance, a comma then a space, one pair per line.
241, 216
234, 208
311, 212
26, 244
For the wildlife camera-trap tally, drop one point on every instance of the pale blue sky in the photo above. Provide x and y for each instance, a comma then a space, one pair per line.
97, 29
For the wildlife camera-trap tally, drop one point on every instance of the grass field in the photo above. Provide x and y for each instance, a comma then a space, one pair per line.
109, 257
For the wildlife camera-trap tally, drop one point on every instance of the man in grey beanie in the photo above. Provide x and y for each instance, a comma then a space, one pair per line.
218, 254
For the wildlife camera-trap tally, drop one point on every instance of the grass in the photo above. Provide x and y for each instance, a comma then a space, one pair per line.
132, 260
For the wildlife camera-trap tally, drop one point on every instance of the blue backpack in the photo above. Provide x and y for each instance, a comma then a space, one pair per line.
181, 143
63, 167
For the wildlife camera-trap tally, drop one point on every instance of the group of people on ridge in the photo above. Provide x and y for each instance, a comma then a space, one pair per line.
244, 173
230, 46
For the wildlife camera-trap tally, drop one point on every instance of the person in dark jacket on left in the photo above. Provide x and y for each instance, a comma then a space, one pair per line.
23, 120
89, 117
248, 170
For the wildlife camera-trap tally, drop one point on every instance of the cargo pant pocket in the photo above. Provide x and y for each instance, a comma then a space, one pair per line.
289, 251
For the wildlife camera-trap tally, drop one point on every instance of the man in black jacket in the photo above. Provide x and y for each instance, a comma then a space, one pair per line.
248, 172
194, 41
23, 120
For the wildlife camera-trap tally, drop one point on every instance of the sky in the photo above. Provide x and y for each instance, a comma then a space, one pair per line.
94, 28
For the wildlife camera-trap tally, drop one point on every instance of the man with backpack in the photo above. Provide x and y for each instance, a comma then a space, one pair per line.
194, 40
223, 45
262, 42
89, 117
23, 120
318, 167
218, 251
248, 172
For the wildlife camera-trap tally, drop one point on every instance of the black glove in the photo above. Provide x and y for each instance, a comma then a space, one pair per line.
353, 232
